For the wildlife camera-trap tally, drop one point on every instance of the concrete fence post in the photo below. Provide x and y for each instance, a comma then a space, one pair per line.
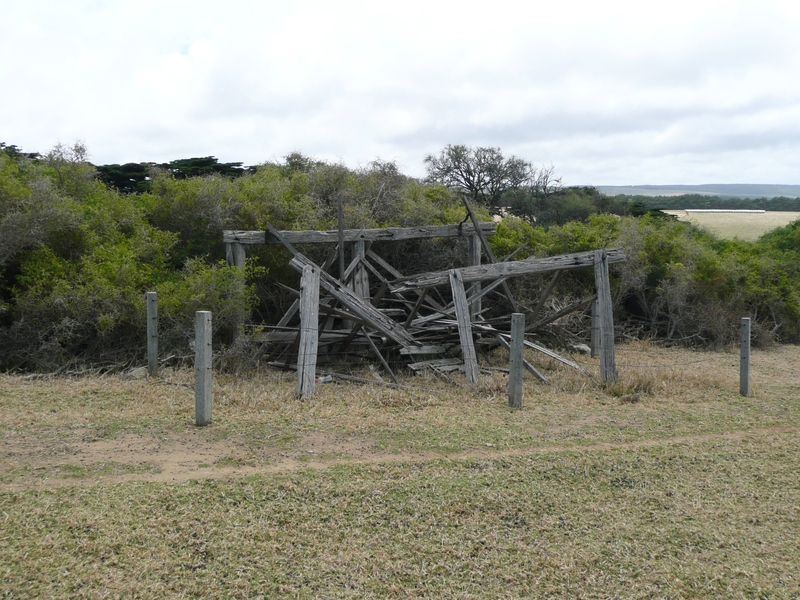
151, 301
744, 350
202, 367
516, 362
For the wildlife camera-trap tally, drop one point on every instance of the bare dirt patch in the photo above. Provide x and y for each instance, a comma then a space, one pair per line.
85, 431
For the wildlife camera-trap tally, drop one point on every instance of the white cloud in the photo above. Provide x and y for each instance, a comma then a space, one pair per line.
612, 93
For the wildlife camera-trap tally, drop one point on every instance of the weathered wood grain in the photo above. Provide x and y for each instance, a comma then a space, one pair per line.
354, 235
309, 332
464, 327
528, 266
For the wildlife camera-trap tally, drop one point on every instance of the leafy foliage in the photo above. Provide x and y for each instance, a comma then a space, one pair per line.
76, 255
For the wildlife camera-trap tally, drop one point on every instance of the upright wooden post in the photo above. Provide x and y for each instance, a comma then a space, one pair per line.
235, 256
516, 361
309, 332
464, 327
151, 301
360, 277
608, 364
475, 259
202, 367
340, 223
744, 351
594, 335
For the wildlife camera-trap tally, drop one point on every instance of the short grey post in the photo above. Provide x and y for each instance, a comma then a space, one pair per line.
608, 363
744, 350
151, 300
309, 332
594, 336
516, 362
464, 327
202, 367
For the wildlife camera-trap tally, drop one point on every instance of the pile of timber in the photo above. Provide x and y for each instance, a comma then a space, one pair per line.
407, 317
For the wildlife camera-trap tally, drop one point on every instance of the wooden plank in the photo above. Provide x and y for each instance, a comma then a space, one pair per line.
464, 327
527, 266
309, 332
353, 235
359, 307
425, 350
515, 360
608, 364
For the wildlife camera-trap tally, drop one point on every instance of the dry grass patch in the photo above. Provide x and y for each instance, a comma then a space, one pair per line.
108, 490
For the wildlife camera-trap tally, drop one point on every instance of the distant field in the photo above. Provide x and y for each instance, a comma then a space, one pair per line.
745, 226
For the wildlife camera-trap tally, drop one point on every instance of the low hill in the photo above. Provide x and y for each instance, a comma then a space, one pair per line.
723, 190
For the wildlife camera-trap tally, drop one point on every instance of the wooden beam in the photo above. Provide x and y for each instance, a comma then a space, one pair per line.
528, 266
354, 235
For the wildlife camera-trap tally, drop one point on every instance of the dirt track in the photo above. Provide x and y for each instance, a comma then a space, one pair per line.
193, 456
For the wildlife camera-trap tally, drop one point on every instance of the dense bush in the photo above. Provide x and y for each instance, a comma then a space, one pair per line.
76, 255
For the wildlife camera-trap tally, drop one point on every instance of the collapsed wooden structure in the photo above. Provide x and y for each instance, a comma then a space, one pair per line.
402, 317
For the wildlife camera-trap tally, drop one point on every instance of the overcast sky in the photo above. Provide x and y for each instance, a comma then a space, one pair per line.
611, 93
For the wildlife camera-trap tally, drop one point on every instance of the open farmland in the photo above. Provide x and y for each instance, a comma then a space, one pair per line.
745, 226
668, 485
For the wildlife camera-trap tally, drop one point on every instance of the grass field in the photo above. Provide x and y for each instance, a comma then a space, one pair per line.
745, 226
668, 485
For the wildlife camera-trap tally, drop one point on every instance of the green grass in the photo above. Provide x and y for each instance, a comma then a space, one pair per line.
687, 490
690, 520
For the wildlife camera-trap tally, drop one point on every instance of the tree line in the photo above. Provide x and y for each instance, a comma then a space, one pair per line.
78, 251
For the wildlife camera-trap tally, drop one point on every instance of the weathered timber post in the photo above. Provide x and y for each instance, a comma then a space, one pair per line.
309, 334
464, 327
235, 256
608, 365
202, 367
151, 301
516, 361
744, 351
474, 249
594, 335
360, 277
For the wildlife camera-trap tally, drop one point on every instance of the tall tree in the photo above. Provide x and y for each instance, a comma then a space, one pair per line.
483, 174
